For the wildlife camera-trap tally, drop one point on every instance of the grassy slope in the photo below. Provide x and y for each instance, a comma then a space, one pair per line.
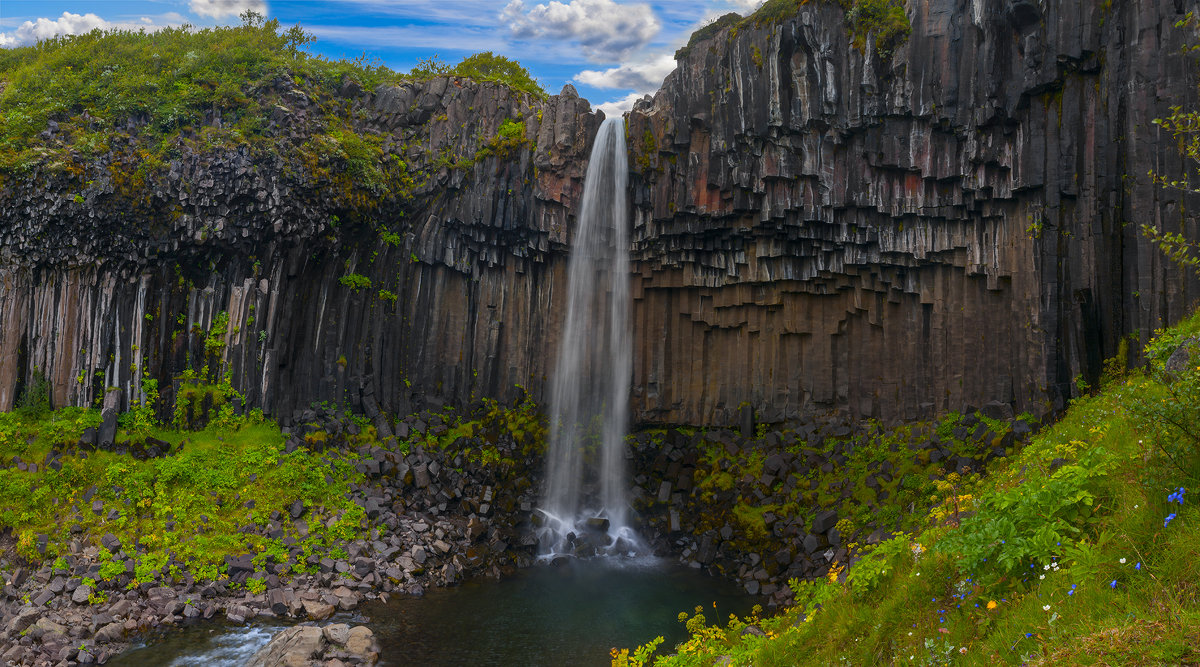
153, 95
189, 505
187, 511
1059, 555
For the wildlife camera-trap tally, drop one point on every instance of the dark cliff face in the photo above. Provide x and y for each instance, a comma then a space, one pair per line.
815, 228
818, 228
98, 290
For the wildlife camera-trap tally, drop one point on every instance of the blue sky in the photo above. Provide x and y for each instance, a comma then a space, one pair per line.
612, 51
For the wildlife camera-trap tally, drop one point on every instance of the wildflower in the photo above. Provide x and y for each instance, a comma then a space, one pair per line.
962, 650
1028, 635
1046, 566
1122, 561
1138, 567
1041, 576
1168, 519
1113, 584
991, 604
1046, 607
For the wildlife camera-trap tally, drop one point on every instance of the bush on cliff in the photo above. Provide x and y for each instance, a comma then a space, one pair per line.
1081, 549
484, 66
71, 99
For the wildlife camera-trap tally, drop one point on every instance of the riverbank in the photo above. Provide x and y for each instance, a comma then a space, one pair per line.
292, 523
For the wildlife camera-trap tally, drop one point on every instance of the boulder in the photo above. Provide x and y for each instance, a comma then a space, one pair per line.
292, 647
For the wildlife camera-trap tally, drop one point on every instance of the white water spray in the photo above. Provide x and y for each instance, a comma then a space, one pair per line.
586, 503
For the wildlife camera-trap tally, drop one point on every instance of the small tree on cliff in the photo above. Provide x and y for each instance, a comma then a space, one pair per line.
1184, 127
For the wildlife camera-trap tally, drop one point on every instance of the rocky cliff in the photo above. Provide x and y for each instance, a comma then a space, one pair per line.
953, 223
815, 227
302, 286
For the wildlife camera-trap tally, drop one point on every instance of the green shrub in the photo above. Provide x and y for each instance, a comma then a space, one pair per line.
34, 402
485, 66
355, 281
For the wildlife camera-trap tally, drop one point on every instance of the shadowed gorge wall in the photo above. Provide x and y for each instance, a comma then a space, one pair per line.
814, 228
956, 223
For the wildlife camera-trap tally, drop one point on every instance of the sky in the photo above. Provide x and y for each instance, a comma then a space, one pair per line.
612, 51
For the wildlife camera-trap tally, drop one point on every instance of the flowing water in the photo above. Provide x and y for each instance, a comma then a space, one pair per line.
573, 612
586, 501
570, 614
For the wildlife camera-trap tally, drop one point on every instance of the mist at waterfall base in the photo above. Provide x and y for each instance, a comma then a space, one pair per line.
585, 510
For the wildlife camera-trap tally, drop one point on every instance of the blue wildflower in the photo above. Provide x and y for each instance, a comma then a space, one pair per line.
1113, 584
1138, 567
1168, 519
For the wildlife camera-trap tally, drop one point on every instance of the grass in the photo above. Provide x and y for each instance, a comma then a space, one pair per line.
185, 510
1066, 553
150, 96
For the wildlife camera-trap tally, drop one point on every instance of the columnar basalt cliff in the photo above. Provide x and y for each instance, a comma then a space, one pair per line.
815, 227
103, 288
951, 224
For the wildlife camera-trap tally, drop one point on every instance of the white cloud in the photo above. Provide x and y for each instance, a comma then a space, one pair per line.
67, 24
644, 76
221, 8
618, 107
745, 6
606, 31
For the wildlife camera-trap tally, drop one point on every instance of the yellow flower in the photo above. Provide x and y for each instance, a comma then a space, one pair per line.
991, 604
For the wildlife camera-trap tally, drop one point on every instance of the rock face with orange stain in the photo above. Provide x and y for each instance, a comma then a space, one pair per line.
815, 228
950, 224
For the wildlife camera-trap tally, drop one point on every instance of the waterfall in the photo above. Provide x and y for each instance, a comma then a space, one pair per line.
586, 502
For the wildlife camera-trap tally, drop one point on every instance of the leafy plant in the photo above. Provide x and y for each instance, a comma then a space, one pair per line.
355, 281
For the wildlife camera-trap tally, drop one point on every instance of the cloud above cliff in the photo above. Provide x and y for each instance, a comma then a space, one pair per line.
645, 75
604, 30
43, 28
618, 107
744, 6
225, 8
30, 31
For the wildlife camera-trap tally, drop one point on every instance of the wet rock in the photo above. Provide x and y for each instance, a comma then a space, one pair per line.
292, 647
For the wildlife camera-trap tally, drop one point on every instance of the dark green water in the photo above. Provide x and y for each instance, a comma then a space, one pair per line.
570, 615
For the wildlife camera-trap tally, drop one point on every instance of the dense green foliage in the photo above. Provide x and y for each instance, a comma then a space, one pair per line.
185, 510
1079, 550
68, 100
220, 486
485, 66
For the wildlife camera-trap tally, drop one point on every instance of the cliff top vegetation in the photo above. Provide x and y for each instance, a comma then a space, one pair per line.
882, 20
69, 99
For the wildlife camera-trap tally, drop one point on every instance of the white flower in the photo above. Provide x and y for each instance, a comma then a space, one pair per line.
1046, 608
1122, 561
1042, 576
1046, 566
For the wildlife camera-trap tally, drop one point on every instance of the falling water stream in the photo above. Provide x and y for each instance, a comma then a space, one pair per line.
586, 501
573, 613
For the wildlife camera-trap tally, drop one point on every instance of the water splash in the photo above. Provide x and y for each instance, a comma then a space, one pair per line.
586, 505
